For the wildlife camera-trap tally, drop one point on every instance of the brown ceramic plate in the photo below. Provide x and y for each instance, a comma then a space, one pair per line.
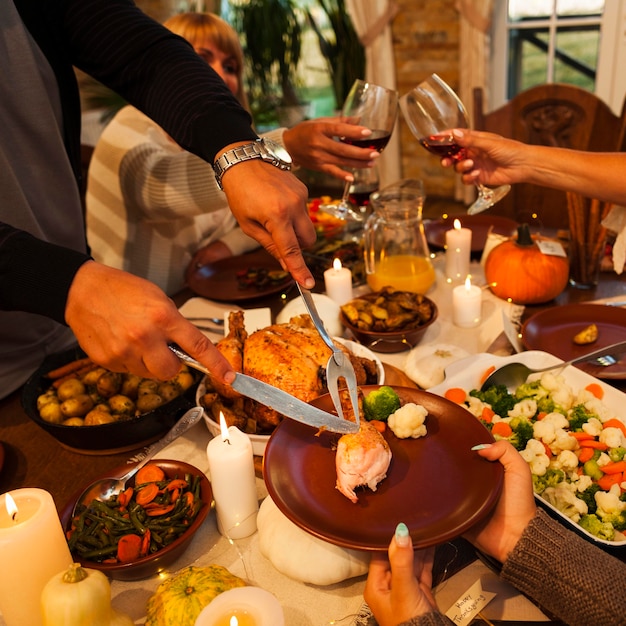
479, 225
552, 330
158, 561
436, 484
1, 456
219, 280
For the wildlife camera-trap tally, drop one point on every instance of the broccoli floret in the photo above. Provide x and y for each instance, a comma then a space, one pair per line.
617, 519
579, 416
522, 432
551, 478
535, 391
380, 403
497, 397
601, 529
617, 454
589, 497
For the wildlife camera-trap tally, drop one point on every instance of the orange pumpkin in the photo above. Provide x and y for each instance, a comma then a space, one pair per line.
517, 270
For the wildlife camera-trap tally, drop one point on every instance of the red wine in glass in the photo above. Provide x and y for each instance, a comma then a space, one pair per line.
443, 146
376, 141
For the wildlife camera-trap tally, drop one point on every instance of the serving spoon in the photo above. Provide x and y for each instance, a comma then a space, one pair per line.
512, 375
106, 488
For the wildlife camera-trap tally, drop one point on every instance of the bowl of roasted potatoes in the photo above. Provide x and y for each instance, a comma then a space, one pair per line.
389, 320
92, 410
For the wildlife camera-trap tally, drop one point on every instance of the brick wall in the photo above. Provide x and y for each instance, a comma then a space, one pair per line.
426, 40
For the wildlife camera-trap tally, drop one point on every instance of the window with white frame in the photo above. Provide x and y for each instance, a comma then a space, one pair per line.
581, 42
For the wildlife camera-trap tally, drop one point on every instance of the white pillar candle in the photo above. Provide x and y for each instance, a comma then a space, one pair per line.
32, 550
338, 282
243, 606
458, 252
231, 466
466, 304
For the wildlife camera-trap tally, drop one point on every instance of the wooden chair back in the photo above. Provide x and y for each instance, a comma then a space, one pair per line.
550, 115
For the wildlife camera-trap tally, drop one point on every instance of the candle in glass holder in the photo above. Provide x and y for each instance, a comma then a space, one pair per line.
231, 466
458, 252
32, 550
242, 606
466, 305
338, 282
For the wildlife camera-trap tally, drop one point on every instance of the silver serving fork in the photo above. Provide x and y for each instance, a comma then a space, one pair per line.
338, 365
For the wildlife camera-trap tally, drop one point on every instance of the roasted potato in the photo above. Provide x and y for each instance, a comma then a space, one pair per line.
587, 335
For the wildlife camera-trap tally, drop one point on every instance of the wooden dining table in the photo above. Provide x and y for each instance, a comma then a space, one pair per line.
31, 457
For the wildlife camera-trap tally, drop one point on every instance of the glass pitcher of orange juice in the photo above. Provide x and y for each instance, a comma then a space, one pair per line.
394, 242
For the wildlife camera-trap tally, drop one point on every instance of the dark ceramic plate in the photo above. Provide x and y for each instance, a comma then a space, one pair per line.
435, 484
1, 456
154, 563
219, 281
553, 329
480, 226
105, 438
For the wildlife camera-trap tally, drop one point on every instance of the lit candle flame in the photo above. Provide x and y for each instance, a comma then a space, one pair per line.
224, 428
457, 224
11, 506
468, 284
234, 621
337, 264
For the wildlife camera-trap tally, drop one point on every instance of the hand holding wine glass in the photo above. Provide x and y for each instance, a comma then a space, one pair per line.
432, 111
375, 107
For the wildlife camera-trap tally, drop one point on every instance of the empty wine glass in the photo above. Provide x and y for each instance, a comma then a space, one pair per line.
432, 110
376, 108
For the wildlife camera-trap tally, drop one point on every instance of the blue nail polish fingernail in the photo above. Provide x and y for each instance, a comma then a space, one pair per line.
402, 535
481, 446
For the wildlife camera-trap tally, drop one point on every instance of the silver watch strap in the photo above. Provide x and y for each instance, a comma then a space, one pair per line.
232, 157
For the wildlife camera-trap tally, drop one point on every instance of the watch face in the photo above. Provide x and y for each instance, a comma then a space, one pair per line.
277, 150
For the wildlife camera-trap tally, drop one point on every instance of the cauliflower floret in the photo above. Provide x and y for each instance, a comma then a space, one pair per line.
565, 460
558, 420
582, 481
535, 455
596, 406
544, 430
609, 502
560, 391
593, 426
475, 406
563, 441
408, 421
563, 497
524, 408
613, 437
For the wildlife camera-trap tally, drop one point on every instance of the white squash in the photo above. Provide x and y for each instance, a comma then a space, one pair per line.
301, 556
80, 596
426, 365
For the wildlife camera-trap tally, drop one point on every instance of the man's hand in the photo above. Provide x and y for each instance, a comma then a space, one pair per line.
125, 323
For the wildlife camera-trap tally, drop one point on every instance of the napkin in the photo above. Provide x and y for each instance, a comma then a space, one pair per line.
615, 221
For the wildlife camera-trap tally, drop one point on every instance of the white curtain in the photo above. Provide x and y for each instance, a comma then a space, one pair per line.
474, 55
372, 19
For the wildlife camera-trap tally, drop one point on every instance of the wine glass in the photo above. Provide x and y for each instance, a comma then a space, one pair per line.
377, 108
432, 110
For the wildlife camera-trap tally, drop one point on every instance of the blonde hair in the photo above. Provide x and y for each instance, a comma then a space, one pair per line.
197, 27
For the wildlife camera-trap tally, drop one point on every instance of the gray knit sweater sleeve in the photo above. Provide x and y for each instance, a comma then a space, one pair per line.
567, 575
429, 619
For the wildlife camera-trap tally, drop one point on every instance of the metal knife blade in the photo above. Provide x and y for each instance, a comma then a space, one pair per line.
290, 406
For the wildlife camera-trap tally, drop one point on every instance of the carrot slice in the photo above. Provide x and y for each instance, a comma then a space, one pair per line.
614, 468
176, 483
160, 510
486, 374
379, 425
596, 390
580, 436
124, 497
615, 423
592, 443
608, 480
502, 429
145, 543
549, 454
128, 548
150, 473
487, 414
456, 394
68, 368
585, 455
147, 493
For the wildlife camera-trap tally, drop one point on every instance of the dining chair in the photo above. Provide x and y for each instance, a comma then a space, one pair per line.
551, 115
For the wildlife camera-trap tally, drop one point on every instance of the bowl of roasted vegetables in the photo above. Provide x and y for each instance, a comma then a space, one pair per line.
92, 410
389, 320
146, 527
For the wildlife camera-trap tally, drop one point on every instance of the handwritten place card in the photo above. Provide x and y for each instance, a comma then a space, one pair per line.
470, 604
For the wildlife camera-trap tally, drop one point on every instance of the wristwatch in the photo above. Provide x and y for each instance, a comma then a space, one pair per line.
266, 149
